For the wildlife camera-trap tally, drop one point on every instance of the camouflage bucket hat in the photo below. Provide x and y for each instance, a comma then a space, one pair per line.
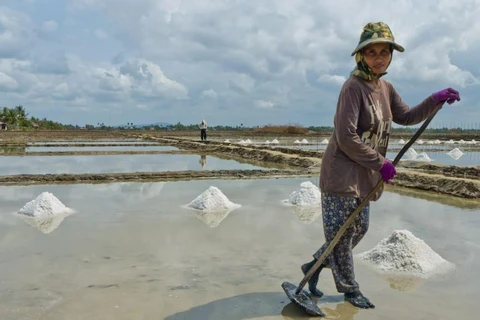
375, 32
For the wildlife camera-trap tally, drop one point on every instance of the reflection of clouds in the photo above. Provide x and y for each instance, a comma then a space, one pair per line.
110, 163
124, 194
46, 223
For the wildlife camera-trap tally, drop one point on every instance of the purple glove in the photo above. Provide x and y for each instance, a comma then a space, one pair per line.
388, 171
449, 94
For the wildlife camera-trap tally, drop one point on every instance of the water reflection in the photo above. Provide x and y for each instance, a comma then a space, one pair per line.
203, 160
112, 163
263, 305
46, 223
211, 218
307, 214
404, 283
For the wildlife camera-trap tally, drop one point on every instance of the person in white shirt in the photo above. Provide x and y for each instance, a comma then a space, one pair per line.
203, 130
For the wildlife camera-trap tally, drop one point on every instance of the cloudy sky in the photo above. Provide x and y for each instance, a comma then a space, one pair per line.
228, 61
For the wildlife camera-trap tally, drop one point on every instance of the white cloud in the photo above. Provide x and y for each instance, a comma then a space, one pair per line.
264, 104
210, 93
6, 82
49, 26
100, 34
225, 58
332, 79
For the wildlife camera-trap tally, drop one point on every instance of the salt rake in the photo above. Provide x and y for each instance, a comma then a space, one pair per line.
301, 297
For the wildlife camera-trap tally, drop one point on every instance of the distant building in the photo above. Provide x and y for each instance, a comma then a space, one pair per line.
3, 125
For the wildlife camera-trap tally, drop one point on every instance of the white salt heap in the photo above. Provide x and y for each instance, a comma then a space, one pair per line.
307, 195
305, 141
212, 206
324, 141
212, 199
403, 253
411, 153
296, 141
274, 141
46, 212
423, 157
306, 202
45, 204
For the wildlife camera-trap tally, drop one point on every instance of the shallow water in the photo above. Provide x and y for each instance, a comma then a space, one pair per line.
131, 251
100, 148
115, 163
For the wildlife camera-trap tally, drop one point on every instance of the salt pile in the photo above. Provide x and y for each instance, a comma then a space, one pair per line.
305, 141
296, 142
411, 153
248, 141
422, 156
46, 212
455, 153
306, 202
307, 195
212, 206
420, 141
449, 142
267, 142
403, 253
274, 141
324, 141
226, 141
401, 141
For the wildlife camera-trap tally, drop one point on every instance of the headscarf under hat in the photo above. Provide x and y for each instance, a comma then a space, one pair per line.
373, 32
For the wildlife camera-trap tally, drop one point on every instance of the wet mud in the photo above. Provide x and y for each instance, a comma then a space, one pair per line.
30, 179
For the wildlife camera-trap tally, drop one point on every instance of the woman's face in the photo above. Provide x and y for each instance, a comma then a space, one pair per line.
377, 56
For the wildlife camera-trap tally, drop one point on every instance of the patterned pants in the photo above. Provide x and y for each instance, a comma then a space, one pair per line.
335, 211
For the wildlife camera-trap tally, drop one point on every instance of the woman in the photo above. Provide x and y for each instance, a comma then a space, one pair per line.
354, 160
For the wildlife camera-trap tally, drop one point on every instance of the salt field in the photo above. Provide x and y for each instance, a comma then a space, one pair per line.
115, 163
136, 251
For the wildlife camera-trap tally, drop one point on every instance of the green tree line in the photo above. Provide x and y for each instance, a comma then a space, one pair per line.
17, 118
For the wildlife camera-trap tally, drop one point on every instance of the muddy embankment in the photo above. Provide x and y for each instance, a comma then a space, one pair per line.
31, 179
457, 181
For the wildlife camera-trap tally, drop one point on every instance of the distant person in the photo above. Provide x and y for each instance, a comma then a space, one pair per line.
203, 130
354, 160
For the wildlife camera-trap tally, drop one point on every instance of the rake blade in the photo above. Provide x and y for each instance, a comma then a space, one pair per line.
303, 300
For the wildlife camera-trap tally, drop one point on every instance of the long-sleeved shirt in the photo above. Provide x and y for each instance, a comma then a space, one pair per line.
362, 126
